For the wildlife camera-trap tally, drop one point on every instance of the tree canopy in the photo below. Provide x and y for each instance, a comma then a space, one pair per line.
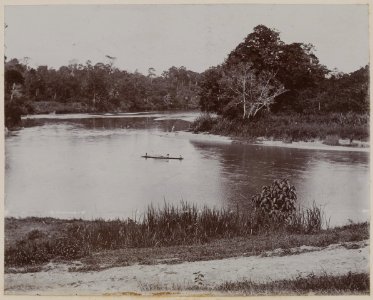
289, 75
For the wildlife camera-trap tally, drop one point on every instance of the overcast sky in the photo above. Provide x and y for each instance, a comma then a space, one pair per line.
194, 36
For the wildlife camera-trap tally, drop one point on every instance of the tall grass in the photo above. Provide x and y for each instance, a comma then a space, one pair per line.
349, 284
163, 226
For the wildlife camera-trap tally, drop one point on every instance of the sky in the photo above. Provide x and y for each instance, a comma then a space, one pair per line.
194, 36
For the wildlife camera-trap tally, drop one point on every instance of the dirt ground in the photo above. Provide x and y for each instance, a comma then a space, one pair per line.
56, 279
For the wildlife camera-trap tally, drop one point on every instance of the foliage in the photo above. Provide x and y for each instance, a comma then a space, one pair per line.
299, 82
211, 99
345, 92
103, 87
276, 206
261, 48
277, 200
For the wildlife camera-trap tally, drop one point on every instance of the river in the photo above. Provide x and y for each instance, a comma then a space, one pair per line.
90, 166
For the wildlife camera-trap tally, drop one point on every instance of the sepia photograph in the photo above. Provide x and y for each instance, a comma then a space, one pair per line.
215, 149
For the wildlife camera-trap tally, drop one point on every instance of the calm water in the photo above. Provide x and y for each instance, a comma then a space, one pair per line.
85, 167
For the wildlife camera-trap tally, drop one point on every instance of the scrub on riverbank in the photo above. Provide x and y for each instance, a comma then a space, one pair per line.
23, 234
240, 266
332, 129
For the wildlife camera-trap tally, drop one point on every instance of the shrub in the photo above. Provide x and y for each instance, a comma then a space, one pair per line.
275, 205
277, 199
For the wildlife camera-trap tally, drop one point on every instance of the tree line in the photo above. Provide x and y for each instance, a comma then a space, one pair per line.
261, 75
97, 88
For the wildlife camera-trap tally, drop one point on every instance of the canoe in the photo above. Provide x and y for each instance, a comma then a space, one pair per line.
162, 157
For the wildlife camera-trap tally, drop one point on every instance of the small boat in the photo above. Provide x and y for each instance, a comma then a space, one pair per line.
162, 157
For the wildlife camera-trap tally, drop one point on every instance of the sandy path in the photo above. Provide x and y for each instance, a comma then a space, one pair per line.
335, 260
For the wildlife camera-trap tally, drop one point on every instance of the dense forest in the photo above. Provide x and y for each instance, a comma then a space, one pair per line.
261, 77
95, 88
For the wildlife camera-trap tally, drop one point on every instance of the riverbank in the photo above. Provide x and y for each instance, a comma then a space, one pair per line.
348, 132
262, 264
21, 234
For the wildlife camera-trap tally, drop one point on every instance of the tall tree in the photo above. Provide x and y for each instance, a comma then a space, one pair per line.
151, 74
251, 90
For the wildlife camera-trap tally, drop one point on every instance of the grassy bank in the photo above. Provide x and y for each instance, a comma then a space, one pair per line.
349, 236
184, 233
295, 127
164, 226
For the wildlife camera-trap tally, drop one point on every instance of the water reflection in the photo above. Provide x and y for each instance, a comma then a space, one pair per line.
339, 181
92, 167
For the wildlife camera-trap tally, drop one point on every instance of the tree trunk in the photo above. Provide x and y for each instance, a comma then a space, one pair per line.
244, 98
13, 90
